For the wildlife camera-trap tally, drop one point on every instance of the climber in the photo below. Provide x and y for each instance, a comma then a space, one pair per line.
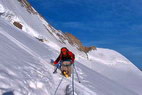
65, 59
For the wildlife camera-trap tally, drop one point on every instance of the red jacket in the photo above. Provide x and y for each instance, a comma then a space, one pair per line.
69, 56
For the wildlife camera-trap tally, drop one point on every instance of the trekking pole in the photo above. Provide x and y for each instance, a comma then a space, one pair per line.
57, 67
77, 74
58, 85
73, 79
55, 71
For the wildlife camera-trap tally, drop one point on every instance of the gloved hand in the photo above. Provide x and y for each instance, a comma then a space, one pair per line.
55, 63
58, 65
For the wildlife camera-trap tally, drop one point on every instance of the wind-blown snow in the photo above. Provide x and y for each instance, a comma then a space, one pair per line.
25, 67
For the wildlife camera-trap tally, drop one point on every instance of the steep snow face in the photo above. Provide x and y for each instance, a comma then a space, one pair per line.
21, 15
22, 70
25, 65
32, 23
35, 25
25, 68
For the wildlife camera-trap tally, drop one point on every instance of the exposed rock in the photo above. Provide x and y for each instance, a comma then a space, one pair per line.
61, 37
87, 49
28, 6
17, 24
42, 40
75, 41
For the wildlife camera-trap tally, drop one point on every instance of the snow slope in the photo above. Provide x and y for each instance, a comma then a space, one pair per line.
25, 62
25, 70
116, 67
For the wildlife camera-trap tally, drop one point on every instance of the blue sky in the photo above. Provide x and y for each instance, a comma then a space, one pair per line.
113, 24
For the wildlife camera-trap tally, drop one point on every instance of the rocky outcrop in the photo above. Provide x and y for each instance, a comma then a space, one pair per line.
75, 41
28, 6
40, 39
87, 49
18, 25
